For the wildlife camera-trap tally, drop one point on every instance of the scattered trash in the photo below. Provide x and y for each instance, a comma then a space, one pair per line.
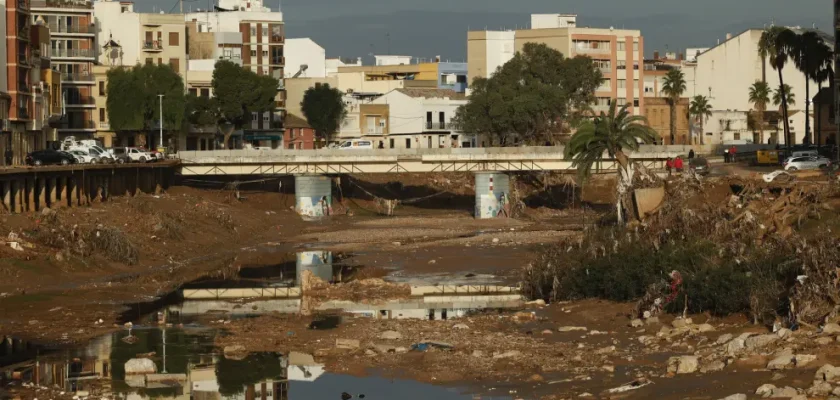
637, 384
424, 346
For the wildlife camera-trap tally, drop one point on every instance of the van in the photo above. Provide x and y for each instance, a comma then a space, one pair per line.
356, 144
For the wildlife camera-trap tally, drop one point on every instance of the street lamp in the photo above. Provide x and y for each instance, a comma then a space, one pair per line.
160, 144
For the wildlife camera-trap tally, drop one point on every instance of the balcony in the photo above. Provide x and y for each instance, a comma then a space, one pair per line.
80, 101
592, 50
376, 130
154, 46
75, 29
23, 59
275, 125
435, 126
606, 70
80, 126
104, 126
76, 77
23, 33
73, 53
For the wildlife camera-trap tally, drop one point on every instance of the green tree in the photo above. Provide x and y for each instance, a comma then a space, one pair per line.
777, 43
239, 92
534, 96
201, 111
806, 52
613, 134
324, 110
760, 97
824, 73
673, 86
700, 109
784, 95
133, 103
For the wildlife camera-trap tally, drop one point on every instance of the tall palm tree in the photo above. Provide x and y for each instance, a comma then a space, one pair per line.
785, 96
803, 52
673, 86
760, 97
611, 133
780, 42
823, 59
701, 109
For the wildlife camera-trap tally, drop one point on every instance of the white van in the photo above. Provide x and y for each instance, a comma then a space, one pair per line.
356, 144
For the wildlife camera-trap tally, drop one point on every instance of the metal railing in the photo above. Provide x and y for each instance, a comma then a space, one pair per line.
378, 130
83, 4
76, 77
80, 100
71, 29
80, 125
104, 125
435, 125
73, 53
154, 45
590, 50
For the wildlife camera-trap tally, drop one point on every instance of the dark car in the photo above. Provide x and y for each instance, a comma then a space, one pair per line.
120, 155
700, 165
46, 157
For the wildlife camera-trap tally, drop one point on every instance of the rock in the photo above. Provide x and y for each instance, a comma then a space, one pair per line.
819, 389
831, 328
401, 350
585, 394
724, 338
547, 332
537, 302
652, 320
390, 335
137, 366
804, 359
571, 329
734, 346
760, 341
524, 316
370, 352
777, 376
827, 373
478, 353
836, 391
705, 328
799, 397
396, 244
495, 240
765, 390
637, 323
786, 392
608, 368
683, 364
536, 378
738, 396
783, 333
432, 261
781, 362
825, 340
347, 344
605, 350
713, 366
460, 326
681, 323
508, 354
385, 348
645, 339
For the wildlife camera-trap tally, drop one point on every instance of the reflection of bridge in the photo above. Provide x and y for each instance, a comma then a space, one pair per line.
313, 190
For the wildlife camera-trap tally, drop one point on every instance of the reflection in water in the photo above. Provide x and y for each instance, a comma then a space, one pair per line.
192, 370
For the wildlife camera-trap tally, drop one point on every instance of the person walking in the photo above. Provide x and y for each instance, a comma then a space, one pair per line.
732, 153
691, 154
678, 165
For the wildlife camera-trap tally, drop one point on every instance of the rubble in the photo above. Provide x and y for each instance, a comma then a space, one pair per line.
683, 364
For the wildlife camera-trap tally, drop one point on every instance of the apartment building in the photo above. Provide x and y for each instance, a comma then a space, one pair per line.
619, 53
305, 58
73, 47
5, 99
18, 72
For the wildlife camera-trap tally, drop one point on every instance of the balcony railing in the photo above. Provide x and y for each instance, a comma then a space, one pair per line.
78, 4
104, 125
73, 53
55, 28
377, 130
80, 101
606, 70
80, 125
152, 46
76, 77
590, 50
435, 125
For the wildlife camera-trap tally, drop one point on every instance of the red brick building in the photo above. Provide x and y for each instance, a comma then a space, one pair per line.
299, 135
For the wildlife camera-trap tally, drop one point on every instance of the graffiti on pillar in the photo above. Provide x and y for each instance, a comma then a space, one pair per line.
492, 206
315, 206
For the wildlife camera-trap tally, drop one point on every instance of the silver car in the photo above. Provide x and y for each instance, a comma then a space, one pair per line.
803, 163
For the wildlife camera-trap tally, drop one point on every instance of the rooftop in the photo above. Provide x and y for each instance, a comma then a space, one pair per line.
293, 121
432, 93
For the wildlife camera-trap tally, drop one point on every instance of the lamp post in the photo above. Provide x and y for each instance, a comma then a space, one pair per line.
160, 144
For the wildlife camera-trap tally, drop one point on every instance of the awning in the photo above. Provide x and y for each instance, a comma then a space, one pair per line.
262, 137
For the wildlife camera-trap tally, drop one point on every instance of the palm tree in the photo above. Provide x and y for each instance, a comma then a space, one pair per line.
673, 86
760, 97
823, 59
611, 133
803, 52
784, 96
701, 109
776, 43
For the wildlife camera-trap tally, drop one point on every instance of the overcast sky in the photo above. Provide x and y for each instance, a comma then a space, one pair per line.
351, 28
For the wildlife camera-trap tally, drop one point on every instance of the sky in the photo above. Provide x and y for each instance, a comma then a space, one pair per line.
428, 28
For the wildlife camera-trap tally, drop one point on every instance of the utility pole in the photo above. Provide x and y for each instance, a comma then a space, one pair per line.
160, 96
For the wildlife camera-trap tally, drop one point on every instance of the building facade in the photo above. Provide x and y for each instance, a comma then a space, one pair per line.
299, 135
302, 52
73, 45
658, 114
18, 75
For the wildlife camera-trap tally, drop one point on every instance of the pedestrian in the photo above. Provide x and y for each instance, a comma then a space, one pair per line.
678, 165
691, 154
669, 165
733, 152
725, 156
9, 156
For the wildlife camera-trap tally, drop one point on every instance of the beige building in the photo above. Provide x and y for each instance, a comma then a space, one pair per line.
658, 114
619, 53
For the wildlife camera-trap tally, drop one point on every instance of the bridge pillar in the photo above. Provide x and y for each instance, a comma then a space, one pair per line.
492, 195
313, 196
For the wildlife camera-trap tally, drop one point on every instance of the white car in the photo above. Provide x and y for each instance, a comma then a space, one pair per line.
83, 157
138, 155
804, 163
356, 144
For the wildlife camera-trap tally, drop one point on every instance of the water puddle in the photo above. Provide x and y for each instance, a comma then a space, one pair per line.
182, 364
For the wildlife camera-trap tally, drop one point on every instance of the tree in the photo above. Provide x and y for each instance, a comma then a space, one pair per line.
700, 109
239, 92
760, 97
673, 86
534, 96
133, 103
776, 43
823, 58
611, 133
324, 110
201, 111
805, 51
784, 96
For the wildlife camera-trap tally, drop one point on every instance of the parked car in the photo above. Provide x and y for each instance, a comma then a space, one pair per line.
49, 156
803, 163
700, 165
356, 144
120, 155
85, 157
136, 154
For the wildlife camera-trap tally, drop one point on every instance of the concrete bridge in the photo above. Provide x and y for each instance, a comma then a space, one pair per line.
313, 189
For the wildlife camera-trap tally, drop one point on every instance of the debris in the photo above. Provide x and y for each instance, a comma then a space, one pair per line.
136, 366
683, 364
738, 396
424, 346
347, 344
637, 384
637, 323
390, 335
508, 354
460, 326
571, 329
831, 328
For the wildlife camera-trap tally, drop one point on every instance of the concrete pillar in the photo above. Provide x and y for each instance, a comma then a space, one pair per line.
53, 189
30, 195
73, 199
313, 196
62, 190
492, 195
41, 186
17, 197
6, 190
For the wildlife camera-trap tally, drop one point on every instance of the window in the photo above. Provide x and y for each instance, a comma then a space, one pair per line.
101, 115
621, 65
253, 33
603, 102
635, 83
635, 46
194, 91
265, 54
391, 142
635, 102
102, 88
175, 64
635, 65
149, 61
253, 53
205, 92
173, 39
292, 133
160, 61
253, 117
620, 46
621, 101
407, 143
622, 83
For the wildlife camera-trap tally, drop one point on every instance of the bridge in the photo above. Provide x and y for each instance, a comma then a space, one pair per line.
311, 168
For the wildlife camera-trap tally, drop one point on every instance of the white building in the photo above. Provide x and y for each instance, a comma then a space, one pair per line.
691, 54
304, 51
724, 74
392, 60
548, 21
494, 49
